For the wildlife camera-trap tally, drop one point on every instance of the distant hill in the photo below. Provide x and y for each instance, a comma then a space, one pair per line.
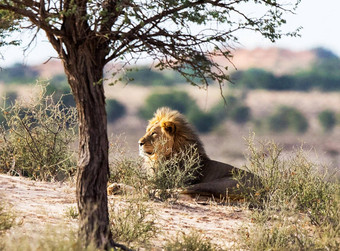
50, 69
276, 60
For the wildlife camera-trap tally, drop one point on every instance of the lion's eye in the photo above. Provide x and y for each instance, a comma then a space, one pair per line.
153, 134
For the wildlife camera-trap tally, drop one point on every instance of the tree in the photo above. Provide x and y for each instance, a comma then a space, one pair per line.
87, 34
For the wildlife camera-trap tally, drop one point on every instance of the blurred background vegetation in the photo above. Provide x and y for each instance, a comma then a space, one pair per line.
323, 75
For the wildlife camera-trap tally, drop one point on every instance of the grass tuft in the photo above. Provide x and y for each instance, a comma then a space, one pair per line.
72, 212
132, 222
193, 241
7, 218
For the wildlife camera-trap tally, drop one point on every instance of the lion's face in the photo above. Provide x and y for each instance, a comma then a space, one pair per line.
158, 140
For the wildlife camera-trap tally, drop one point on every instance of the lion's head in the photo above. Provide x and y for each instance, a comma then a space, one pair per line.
168, 132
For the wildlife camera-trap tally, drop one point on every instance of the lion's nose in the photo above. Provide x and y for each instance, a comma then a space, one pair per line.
141, 143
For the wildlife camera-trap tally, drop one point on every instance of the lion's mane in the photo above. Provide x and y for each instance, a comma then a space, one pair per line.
184, 135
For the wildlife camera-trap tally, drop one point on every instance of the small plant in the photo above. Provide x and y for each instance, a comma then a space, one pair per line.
173, 174
72, 212
190, 242
7, 218
327, 120
133, 222
36, 139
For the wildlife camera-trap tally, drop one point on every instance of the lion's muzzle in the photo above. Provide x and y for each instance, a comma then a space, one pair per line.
142, 151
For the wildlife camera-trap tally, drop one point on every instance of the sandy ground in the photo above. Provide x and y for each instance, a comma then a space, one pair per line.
37, 204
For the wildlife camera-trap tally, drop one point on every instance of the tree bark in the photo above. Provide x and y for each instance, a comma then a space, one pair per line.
84, 70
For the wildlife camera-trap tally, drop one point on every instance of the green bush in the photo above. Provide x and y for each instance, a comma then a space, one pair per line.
19, 73
222, 110
254, 79
233, 108
59, 89
327, 120
8, 100
114, 110
36, 139
176, 100
287, 118
241, 114
203, 122
162, 180
147, 77
323, 75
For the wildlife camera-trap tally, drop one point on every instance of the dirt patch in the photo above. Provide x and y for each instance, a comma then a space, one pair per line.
37, 204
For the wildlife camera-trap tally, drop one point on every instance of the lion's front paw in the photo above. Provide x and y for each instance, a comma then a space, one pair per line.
119, 188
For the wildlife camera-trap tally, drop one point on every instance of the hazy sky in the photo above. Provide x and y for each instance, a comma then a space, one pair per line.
320, 21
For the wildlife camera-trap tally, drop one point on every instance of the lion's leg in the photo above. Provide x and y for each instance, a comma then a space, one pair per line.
224, 187
119, 188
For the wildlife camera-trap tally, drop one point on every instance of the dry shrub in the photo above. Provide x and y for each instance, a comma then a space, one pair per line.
192, 241
295, 206
124, 168
132, 221
36, 139
170, 175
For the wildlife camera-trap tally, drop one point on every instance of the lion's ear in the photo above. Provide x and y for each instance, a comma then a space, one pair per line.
169, 127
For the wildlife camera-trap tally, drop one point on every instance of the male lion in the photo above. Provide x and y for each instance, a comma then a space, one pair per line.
171, 127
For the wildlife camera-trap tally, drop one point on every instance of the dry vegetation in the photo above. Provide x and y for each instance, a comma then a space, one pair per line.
296, 209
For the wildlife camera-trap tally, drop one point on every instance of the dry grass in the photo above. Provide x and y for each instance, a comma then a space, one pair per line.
7, 217
295, 206
51, 238
299, 215
192, 241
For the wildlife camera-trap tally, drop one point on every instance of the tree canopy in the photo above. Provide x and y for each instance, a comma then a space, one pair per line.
168, 31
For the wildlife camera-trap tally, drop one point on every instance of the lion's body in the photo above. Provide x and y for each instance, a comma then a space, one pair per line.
171, 127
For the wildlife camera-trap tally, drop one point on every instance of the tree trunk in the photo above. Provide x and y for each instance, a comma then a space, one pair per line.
84, 70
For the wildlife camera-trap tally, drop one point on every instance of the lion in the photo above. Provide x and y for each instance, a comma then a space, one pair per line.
172, 128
